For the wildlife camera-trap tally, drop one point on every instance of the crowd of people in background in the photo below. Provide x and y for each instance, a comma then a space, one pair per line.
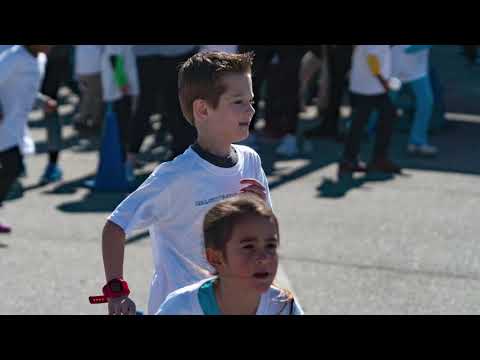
138, 81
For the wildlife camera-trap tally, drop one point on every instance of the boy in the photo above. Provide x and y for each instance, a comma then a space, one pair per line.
370, 86
216, 96
21, 70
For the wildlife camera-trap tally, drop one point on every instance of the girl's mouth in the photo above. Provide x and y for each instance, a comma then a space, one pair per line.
261, 275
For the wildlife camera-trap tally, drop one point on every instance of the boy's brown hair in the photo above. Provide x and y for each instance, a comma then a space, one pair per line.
200, 77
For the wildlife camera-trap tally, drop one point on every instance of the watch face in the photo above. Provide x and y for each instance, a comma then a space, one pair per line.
116, 286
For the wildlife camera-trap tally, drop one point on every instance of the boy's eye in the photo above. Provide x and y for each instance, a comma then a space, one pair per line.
248, 247
272, 246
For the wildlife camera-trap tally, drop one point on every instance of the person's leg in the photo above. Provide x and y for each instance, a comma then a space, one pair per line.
339, 61
363, 106
54, 76
422, 90
283, 85
10, 167
261, 64
149, 80
84, 110
387, 116
182, 132
470, 53
123, 110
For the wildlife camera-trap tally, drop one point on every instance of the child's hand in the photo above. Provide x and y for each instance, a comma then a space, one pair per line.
121, 306
50, 106
254, 187
125, 89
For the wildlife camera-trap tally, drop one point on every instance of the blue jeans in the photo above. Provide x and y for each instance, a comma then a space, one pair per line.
422, 89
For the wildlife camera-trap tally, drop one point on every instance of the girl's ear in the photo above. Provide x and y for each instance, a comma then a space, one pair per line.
215, 258
200, 110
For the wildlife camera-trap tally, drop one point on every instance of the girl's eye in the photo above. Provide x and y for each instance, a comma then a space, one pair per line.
272, 246
248, 247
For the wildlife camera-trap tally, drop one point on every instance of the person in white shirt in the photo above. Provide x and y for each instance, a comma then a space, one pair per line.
173, 201
411, 66
88, 60
21, 71
241, 239
370, 86
121, 90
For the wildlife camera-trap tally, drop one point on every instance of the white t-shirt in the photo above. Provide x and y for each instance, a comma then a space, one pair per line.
362, 81
111, 92
172, 204
20, 79
88, 59
409, 67
232, 49
185, 301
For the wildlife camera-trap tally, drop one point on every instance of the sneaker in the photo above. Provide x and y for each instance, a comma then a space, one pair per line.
349, 167
5, 229
129, 172
52, 174
288, 147
385, 166
422, 150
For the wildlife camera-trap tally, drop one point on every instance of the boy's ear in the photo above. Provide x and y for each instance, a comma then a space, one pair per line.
215, 258
200, 110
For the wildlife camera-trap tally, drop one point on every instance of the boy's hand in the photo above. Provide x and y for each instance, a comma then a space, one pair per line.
121, 306
254, 187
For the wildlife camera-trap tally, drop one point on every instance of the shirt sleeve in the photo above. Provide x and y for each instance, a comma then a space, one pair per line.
147, 205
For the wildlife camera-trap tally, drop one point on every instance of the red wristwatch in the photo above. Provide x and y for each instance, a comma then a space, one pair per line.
114, 289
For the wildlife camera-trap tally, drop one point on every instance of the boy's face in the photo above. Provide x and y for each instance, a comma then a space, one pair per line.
251, 258
233, 115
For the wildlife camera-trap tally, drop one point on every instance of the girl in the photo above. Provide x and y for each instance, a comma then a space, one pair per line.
241, 239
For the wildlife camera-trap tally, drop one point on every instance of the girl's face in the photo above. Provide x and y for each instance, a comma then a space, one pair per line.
251, 258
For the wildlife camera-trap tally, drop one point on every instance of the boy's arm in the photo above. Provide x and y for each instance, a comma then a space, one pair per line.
113, 250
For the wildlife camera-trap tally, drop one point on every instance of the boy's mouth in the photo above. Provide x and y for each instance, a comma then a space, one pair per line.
245, 124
